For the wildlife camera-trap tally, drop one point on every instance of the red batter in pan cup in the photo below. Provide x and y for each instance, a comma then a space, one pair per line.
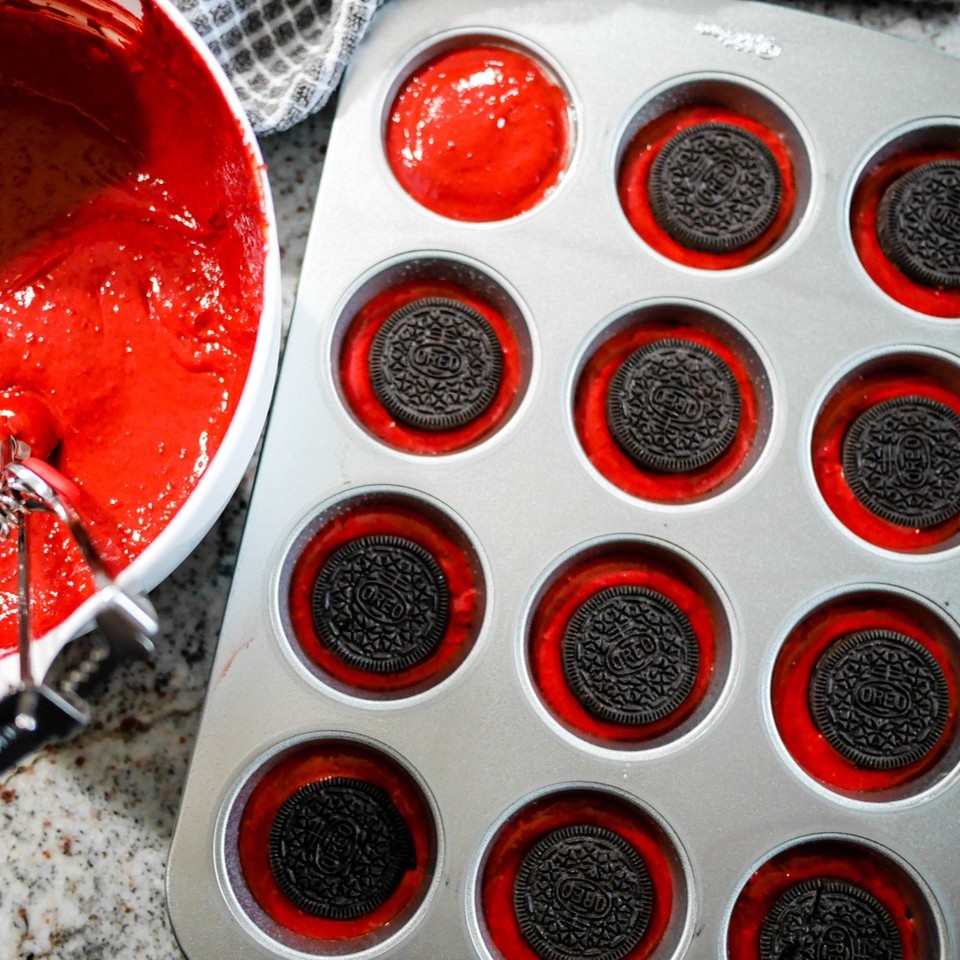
639, 172
822, 892
887, 724
480, 132
569, 836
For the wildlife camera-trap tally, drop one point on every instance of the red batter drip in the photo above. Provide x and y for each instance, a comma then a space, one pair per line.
322, 761
478, 133
460, 570
828, 859
621, 566
571, 808
131, 264
359, 393
634, 178
792, 676
839, 412
934, 301
603, 451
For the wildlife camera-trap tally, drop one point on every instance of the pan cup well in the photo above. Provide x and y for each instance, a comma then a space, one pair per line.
581, 870
479, 128
864, 692
627, 646
382, 595
820, 892
672, 402
904, 221
713, 172
431, 354
330, 847
885, 451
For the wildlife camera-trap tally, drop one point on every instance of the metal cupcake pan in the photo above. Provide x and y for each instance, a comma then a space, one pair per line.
479, 741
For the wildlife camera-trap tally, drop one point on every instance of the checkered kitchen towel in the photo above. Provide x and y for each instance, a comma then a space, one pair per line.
284, 57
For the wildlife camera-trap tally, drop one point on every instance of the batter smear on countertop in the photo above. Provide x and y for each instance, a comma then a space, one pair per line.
131, 265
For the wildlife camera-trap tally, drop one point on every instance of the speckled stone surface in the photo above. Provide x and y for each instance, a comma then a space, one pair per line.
85, 826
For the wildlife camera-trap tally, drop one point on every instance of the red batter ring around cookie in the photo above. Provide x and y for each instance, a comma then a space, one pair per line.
354, 370
634, 178
603, 451
566, 809
565, 596
791, 681
834, 860
322, 761
466, 602
836, 417
478, 133
933, 301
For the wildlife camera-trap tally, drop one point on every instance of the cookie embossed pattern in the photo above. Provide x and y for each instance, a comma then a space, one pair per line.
608, 610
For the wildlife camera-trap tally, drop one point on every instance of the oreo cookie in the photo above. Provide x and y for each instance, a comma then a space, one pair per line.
583, 891
339, 848
827, 917
918, 224
435, 364
901, 459
381, 603
715, 187
880, 699
673, 406
630, 655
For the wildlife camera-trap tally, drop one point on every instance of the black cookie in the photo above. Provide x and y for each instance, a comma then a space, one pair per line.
338, 848
583, 891
829, 918
435, 364
715, 187
381, 603
673, 406
918, 223
880, 698
901, 459
630, 655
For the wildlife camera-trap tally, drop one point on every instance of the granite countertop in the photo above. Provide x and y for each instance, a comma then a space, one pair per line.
86, 825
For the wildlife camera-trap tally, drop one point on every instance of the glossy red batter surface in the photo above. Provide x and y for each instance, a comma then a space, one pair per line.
131, 267
793, 671
359, 393
634, 178
478, 133
571, 808
935, 301
830, 859
324, 760
603, 451
460, 569
908, 378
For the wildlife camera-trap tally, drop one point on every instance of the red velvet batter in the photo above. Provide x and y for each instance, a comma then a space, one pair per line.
321, 761
355, 370
566, 809
837, 860
634, 178
131, 264
905, 379
619, 567
590, 417
461, 572
794, 668
478, 133
935, 301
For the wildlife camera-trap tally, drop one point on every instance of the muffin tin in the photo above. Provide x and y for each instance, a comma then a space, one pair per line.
502, 738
